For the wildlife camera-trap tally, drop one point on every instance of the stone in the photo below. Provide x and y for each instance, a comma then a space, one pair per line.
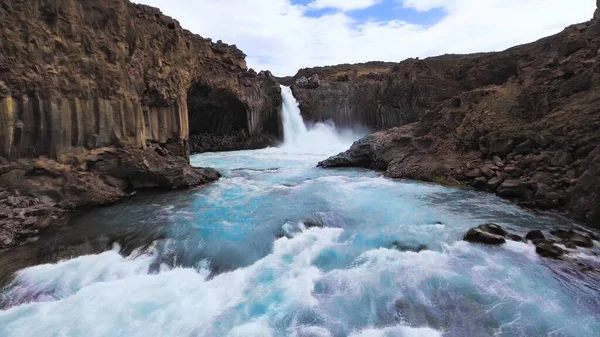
549, 249
535, 234
480, 182
514, 237
494, 183
525, 147
577, 238
568, 244
513, 170
561, 158
488, 170
593, 236
476, 235
489, 233
474, 173
498, 161
511, 189
501, 147
5, 240
30, 221
4, 194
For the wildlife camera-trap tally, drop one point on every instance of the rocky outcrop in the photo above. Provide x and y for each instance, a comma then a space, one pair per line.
527, 130
81, 75
223, 121
97, 99
382, 95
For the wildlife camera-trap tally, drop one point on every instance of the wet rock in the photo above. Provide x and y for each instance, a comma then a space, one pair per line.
548, 249
498, 161
535, 235
490, 234
593, 236
568, 244
403, 247
577, 238
514, 237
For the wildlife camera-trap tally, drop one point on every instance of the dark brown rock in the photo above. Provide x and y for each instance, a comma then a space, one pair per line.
514, 237
519, 113
511, 189
535, 235
549, 249
494, 183
480, 182
490, 233
476, 235
474, 173
577, 238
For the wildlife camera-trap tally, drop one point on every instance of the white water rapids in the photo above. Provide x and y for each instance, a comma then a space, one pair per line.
235, 259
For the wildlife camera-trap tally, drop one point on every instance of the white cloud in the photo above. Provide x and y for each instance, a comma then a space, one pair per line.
344, 5
279, 36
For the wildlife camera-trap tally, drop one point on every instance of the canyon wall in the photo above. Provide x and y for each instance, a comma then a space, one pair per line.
382, 95
79, 75
96, 99
523, 123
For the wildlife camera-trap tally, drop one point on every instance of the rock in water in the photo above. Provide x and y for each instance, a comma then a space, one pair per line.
482, 234
535, 235
577, 238
547, 248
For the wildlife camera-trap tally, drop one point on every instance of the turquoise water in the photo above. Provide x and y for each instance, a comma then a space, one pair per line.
234, 259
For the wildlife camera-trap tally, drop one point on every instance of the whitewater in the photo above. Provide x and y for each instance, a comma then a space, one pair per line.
279, 247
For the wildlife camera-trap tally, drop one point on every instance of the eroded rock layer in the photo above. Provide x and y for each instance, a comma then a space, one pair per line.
97, 98
523, 123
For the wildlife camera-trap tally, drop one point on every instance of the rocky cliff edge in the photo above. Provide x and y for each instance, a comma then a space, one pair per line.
523, 123
96, 99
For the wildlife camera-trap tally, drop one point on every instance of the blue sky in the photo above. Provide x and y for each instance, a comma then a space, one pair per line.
383, 11
285, 35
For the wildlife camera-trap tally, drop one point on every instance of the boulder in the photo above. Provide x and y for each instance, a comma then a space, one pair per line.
498, 161
491, 234
494, 183
577, 238
535, 235
480, 182
489, 170
514, 237
501, 147
474, 173
548, 249
29, 221
511, 189
561, 158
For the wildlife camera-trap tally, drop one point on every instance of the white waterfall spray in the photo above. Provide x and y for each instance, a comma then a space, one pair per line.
318, 138
293, 125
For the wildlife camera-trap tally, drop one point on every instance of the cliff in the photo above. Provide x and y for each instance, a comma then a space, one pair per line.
87, 74
522, 123
96, 99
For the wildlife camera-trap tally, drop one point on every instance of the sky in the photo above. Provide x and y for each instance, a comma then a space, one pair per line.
285, 35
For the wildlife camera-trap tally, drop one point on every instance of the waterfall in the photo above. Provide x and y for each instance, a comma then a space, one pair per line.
293, 125
322, 137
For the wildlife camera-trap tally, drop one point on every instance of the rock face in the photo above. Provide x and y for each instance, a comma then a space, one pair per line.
382, 95
522, 123
98, 98
81, 75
